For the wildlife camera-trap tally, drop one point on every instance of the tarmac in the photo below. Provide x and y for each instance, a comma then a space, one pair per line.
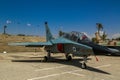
30, 66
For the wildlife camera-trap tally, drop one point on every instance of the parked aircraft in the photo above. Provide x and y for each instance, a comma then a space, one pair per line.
60, 45
82, 38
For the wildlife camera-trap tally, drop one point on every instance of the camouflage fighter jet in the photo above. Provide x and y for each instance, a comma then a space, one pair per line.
60, 45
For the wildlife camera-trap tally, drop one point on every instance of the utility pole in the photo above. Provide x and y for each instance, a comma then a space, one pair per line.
4, 29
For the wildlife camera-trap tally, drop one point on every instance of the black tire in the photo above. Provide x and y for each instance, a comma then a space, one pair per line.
69, 58
83, 66
45, 58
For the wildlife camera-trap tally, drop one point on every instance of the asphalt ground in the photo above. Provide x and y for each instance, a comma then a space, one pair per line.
30, 66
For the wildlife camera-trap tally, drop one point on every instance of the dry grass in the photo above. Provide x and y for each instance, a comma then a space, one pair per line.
5, 39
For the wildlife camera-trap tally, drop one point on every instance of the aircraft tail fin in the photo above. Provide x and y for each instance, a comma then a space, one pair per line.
48, 32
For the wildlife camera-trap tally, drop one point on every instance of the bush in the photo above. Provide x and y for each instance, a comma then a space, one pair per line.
21, 35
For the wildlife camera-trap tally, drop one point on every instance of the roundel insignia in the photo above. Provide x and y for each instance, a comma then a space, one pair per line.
74, 49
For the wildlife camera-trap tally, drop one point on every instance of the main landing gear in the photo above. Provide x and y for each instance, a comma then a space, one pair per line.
84, 66
68, 57
48, 56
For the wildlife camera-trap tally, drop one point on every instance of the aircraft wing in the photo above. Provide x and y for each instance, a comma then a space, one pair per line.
31, 44
49, 43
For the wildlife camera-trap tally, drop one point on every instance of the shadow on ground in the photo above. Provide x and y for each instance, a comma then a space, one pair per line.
74, 62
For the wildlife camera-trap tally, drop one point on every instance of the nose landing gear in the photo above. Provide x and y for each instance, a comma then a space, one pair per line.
84, 66
48, 56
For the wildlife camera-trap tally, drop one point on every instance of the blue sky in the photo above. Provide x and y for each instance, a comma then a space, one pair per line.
28, 16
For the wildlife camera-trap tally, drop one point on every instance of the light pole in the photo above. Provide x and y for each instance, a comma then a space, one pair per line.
4, 29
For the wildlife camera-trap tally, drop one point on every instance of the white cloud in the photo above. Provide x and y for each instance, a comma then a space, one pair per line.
116, 35
8, 22
28, 24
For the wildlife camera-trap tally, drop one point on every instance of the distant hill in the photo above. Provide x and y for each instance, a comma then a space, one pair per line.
5, 39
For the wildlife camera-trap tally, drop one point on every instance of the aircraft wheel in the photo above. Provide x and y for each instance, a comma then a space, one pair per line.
83, 66
69, 58
45, 58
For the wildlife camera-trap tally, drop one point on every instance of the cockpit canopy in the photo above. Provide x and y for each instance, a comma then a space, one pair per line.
76, 36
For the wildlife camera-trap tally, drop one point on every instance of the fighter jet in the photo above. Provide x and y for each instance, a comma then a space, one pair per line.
60, 45
82, 38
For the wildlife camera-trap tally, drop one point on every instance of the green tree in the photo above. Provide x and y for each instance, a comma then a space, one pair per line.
94, 40
99, 27
104, 36
61, 33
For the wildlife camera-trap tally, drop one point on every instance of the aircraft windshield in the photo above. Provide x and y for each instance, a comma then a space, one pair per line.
76, 36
